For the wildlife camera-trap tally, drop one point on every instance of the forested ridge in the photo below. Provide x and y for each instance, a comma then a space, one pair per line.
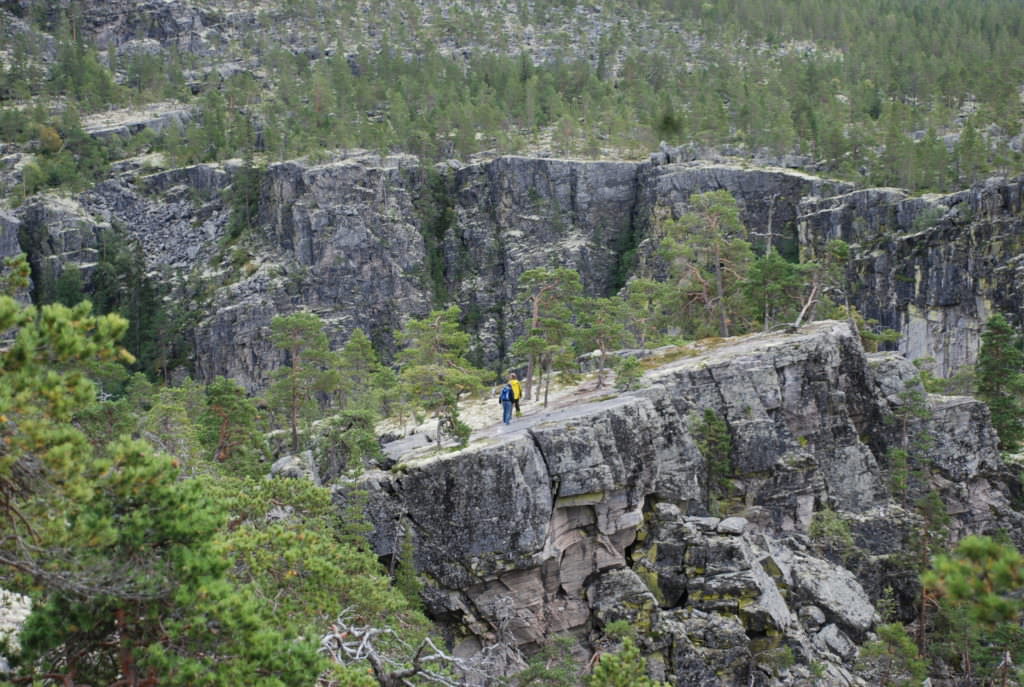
924, 95
137, 513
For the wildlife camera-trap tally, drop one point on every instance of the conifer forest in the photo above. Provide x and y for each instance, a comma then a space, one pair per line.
753, 272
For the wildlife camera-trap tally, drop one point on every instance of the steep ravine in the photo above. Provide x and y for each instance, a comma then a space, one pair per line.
602, 511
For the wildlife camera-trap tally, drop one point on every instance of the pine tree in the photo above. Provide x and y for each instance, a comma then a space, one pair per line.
979, 585
714, 440
118, 551
892, 660
230, 429
1000, 378
604, 329
434, 372
363, 382
550, 294
624, 668
709, 257
773, 288
969, 154
294, 392
646, 308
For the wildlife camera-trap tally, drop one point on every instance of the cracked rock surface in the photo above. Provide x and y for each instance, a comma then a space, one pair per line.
602, 511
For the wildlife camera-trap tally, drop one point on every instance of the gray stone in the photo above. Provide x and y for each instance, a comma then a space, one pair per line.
733, 525
620, 595
835, 591
831, 638
708, 649
551, 518
931, 271
300, 466
707, 524
725, 576
812, 617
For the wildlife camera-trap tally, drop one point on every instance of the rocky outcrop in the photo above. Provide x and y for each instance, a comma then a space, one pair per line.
56, 233
933, 268
340, 239
156, 118
9, 225
769, 198
367, 241
517, 213
603, 511
178, 24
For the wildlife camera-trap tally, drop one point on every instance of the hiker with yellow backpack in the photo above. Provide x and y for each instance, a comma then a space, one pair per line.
517, 391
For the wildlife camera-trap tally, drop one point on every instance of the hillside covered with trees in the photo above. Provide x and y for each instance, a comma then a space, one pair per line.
924, 95
265, 263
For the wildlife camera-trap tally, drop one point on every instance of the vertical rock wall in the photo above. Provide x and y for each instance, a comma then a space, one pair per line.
367, 241
934, 268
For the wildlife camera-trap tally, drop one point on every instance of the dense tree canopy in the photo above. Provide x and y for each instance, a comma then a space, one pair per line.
872, 89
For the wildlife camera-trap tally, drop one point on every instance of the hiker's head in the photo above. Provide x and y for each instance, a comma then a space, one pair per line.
511, 375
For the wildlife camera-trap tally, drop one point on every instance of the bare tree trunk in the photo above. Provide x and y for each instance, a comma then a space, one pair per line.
295, 402
547, 387
723, 321
534, 321
922, 614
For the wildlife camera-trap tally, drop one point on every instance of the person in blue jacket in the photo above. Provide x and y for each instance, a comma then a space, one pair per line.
507, 399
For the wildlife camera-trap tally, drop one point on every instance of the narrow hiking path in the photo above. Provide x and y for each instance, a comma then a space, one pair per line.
484, 417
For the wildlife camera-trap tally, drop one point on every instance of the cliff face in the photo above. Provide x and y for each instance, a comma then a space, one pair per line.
339, 239
366, 241
602, 511
934, 268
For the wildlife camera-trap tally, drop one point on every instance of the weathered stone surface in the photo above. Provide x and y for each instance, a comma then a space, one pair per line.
56, 232
156, 118
812, 617
301, 466
341, 240
724, 575
621, 595
804, 397
764, 195
831, 638
9, 246
9, 225
345, 238
733, 525
515, 213
933, 268
588, 517
175, 216
177, 23
836, 592
708, 649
